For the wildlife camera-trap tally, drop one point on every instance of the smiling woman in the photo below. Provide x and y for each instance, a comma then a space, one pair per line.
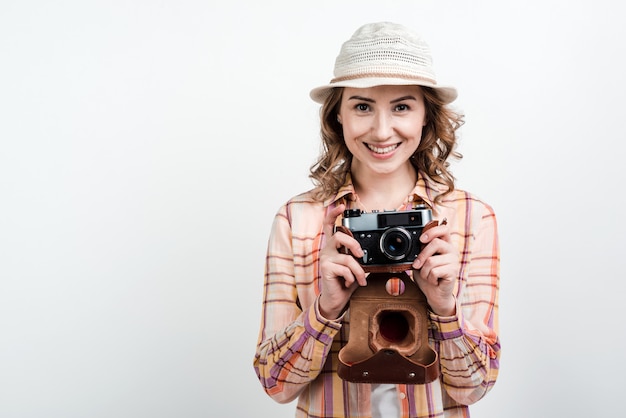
387, 135
437, 138
146, 146
382, 128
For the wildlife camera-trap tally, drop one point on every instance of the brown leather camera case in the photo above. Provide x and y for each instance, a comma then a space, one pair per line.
388, 340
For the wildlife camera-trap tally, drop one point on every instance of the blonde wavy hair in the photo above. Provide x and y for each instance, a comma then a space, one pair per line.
438, 143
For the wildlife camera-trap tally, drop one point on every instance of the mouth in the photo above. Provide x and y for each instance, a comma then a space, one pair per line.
382, 150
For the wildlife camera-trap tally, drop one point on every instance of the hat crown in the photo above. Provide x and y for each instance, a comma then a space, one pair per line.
384, 53
384, 49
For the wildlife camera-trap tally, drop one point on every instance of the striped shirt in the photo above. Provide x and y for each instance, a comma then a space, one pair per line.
297, 348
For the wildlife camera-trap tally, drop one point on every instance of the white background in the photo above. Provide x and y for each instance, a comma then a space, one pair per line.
146, 145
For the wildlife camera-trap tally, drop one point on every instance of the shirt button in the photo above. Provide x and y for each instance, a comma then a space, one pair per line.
402, 395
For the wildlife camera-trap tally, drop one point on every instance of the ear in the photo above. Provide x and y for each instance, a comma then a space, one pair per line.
339, 119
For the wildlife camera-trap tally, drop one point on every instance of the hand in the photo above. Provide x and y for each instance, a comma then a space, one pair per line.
341, 273
438, 268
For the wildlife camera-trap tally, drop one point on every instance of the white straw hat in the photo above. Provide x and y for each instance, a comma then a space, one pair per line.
384, 53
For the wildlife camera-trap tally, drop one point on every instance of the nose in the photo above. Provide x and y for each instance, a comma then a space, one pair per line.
382, 126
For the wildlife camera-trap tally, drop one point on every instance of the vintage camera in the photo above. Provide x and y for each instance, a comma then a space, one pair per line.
389, 237
388, 341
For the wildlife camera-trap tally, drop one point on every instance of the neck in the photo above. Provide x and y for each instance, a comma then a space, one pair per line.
386, 191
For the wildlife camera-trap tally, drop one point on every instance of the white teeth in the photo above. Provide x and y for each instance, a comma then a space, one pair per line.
382, 150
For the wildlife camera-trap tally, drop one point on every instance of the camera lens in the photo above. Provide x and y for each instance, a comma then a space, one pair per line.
395, 243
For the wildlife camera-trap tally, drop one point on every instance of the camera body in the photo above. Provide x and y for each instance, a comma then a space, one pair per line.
388, 237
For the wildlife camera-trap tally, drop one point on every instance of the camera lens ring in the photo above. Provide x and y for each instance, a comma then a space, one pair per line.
393, 236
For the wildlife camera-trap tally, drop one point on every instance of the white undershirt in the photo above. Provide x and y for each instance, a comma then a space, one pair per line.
385, 401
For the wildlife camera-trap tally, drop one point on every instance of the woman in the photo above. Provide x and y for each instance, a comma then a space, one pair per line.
387, 134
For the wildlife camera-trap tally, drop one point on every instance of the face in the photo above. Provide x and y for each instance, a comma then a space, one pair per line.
382, 127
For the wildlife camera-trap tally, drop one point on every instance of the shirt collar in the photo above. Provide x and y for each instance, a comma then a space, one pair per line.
425, 191
345, 192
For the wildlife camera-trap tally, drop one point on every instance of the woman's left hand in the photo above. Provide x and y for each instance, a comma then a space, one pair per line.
437, 268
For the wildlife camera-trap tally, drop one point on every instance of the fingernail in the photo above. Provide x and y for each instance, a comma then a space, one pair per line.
424, 237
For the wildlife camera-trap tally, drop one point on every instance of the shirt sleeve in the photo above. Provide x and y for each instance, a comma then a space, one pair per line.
294, 339
468, 342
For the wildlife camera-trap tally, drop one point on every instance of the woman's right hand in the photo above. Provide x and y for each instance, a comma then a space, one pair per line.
341, 273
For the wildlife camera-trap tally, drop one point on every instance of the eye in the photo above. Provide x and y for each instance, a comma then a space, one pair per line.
402, 107
362, 107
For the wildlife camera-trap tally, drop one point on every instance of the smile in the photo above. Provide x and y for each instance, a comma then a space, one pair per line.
385, 150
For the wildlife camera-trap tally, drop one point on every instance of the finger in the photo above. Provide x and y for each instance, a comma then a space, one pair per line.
441, 274
344, 274
433, 248
432, 273
357, 271
349, 243
427, 275
348, 267
441, 231
331, 219
343, 265
439, 267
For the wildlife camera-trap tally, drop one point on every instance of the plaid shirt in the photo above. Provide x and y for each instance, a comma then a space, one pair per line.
297, 348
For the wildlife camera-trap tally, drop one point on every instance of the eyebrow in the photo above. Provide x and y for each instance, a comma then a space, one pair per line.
366, 99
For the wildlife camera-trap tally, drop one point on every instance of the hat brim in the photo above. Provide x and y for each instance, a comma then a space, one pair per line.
319, 94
